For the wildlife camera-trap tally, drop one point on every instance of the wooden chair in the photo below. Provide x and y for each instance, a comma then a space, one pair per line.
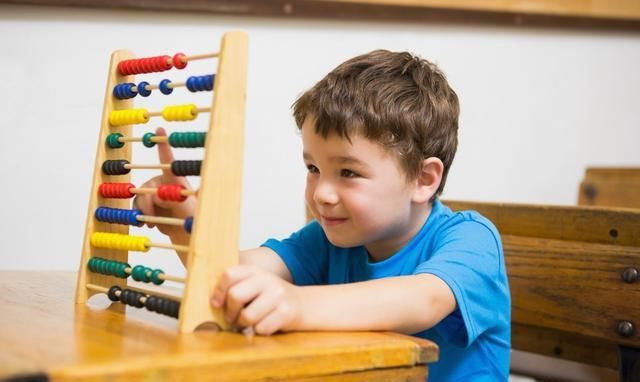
611, 187
573, 273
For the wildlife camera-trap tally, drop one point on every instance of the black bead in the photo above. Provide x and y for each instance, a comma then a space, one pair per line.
115, 167
112, 293
151, 303
186, 167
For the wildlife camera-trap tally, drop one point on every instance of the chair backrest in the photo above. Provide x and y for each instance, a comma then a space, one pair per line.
573, 274
612, 187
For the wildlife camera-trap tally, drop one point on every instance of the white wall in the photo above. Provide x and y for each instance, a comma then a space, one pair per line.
538, 106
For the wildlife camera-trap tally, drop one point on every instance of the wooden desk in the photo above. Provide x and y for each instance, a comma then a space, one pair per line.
42, 332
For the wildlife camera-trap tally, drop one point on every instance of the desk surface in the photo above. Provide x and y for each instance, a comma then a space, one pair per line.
42, 332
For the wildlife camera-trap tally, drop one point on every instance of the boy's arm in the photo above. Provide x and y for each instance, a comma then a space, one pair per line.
406, 304
267, 260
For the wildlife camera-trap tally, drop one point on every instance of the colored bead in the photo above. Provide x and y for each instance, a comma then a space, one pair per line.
164, 87
187, 112
113, 141
119, 269
155, 276
146, 140
188, 223
144, 65
116, 190
200, 83
113, 293
128, 117
120, 241
171, 192
142, 89
139, 273
180, 60
115, 167
118, 216
187, 139
124, 91
186, 167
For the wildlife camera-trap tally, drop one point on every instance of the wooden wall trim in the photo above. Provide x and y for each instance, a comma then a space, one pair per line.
592, 14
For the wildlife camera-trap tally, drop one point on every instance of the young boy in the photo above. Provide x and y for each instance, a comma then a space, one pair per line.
379, 134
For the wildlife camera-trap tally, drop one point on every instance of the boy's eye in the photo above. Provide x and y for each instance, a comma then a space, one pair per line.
348, 174
312, 169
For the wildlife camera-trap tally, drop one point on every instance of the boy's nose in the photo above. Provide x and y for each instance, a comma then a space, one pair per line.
325, 193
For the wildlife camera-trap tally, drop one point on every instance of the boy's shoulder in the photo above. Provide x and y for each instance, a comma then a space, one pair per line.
448, 218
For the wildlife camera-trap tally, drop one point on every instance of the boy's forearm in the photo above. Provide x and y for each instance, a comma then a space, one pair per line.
406, 304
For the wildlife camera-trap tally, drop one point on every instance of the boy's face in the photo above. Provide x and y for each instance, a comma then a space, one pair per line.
357, 192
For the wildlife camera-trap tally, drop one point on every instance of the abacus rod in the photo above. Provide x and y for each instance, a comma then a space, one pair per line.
175, 247
154, 190
156, 139
200, 56
160, 220
198, 109
97, 288
161, 276
155, 293
102, 289
161, 166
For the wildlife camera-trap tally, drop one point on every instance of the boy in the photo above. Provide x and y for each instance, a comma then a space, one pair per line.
379, 134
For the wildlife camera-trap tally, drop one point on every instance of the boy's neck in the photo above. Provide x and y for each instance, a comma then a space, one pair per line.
383, 250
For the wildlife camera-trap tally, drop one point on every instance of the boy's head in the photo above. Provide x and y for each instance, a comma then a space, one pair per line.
397, 100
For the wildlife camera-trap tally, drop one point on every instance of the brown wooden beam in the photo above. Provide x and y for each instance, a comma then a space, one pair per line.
380, 11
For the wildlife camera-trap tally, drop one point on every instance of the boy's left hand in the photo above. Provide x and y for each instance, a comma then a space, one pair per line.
252, 297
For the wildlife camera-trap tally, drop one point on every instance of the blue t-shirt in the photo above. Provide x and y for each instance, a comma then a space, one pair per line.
464, 250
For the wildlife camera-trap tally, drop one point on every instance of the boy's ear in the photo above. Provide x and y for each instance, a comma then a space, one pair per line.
428, 179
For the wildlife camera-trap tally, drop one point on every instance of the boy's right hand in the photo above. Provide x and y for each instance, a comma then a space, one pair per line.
152, 205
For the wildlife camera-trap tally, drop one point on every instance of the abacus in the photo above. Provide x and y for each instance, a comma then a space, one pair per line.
214, 228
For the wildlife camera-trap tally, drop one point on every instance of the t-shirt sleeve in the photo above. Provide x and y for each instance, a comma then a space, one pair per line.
468, 258
305, 254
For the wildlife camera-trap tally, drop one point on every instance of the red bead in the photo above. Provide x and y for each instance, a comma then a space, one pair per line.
116, 190
180, 60
144, 65
171, 192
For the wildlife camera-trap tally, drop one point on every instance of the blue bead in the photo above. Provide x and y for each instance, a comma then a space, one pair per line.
142, 89
188, 222
124, 91
164, 87
133, 217
200, 83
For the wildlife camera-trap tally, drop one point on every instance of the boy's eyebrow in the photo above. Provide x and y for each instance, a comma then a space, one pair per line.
340, 159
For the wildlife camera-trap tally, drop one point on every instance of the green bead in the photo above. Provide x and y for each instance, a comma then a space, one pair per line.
122, 273
113, 141
187, 139
146, 140
155, 276
138, 273
92, 264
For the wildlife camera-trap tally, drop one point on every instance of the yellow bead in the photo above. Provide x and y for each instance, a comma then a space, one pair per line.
128, 117
180, 112
120, 241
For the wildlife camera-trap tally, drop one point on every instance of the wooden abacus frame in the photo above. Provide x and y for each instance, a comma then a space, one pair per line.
213, 246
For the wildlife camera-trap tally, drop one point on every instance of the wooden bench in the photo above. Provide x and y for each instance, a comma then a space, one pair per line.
573, 274
611, 187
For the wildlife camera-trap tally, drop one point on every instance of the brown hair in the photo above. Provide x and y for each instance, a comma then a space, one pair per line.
398, 100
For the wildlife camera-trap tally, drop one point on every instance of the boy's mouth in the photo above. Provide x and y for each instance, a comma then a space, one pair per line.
331, 221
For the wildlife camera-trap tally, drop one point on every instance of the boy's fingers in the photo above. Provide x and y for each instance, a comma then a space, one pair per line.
257, 310
232, 276
240, 295
271, 323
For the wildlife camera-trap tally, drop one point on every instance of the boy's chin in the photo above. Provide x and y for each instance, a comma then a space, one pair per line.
342, 242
